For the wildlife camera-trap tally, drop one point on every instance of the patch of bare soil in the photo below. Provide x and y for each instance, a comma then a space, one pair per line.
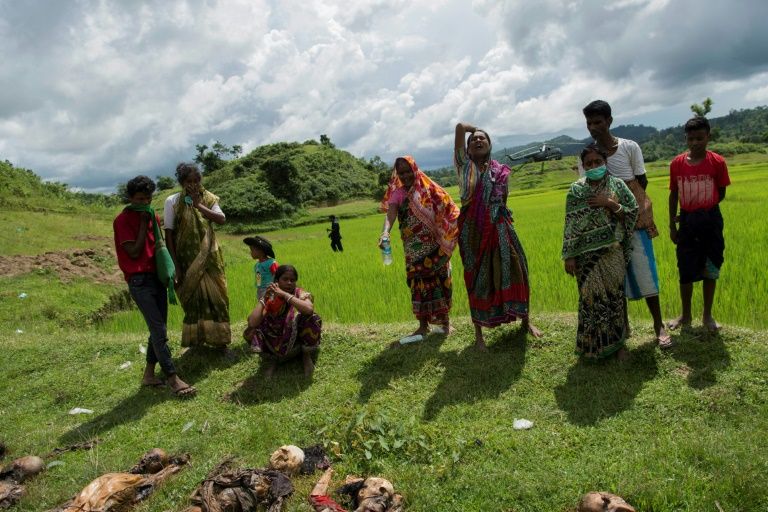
97, 264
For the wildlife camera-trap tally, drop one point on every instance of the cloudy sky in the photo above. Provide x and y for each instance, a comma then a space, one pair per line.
94, 92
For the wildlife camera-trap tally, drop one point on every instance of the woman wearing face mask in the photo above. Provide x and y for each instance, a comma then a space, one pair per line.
200, 281
495, 268
600, 216
427, 217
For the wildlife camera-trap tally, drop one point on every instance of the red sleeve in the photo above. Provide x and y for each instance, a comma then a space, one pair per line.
124, 229
673, 174
722, 179
273, 268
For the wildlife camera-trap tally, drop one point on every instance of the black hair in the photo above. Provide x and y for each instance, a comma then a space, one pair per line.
184, 170
282, 269
696, 123
593, 148
487, 136
139, 184
597, 108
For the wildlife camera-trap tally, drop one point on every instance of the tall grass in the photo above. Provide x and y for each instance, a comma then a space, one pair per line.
354, 286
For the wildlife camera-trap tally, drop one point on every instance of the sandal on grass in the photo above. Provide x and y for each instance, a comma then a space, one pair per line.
665, 341
185, 392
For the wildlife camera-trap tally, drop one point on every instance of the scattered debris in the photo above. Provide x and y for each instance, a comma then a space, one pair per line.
117, 492
188, 425
522, 424
19, 331
314, 458
97, 264
86, 445
142, 349
23, 295
288, 459
53, 464
241, 490
603, 502
126, 365
80, 410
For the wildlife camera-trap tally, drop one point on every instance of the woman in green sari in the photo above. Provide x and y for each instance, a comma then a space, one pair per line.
600, 215
200, 281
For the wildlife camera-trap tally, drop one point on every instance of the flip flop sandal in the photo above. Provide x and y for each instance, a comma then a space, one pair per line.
186, 392
665, 341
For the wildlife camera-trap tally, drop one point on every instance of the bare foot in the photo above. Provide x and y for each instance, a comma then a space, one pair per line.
532, 329
679, 322
480, 339
711, 325
309, 365
269, 371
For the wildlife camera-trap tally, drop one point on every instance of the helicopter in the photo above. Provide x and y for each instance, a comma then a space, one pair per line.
543, 153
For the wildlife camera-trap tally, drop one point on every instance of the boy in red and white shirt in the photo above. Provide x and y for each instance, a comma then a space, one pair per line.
697, 181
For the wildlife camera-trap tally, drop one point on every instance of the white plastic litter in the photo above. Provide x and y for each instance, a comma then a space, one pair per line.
143, 349
126, 365
54, 463
22, 295
413, 338
80, 410
188, 425
522, 424
19, 331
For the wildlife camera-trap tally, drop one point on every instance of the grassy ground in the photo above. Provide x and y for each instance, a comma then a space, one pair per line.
674, 431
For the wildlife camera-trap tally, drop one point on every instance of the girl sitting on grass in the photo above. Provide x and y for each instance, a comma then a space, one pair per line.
284, 323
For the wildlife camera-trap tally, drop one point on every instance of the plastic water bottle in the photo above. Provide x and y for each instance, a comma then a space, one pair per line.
386, 251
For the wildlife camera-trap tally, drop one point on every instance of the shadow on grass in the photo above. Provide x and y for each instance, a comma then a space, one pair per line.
703, 353
192, 366
471, 375
288, 380
393, 363
596, 390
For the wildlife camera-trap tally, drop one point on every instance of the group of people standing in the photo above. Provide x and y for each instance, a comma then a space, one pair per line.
607, 246
607, 240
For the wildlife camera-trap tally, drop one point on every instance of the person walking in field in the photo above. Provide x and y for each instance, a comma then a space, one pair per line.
625, 161
334, 233
201, 283
427, 217
495, 267
284, 324
600, 216
136, 241
697, 182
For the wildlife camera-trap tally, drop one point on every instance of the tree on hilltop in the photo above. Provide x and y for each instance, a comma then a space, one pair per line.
703, 109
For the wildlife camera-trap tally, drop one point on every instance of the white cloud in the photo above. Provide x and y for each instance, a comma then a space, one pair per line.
98, 90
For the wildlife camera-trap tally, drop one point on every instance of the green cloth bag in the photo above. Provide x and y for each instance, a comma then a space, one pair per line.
166, 270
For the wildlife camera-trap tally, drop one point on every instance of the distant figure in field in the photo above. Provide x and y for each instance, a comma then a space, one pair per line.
697, 181
334, 234
266, 267
284, 323
495, 267
625, 161
135, 244
428, 228
201, 283
600, 216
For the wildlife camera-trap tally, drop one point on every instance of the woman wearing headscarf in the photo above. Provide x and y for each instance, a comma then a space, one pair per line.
600, 217
495, 267
201, 283
427, 219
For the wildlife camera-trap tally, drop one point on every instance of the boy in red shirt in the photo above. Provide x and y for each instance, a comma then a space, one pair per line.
697, 181
135, 247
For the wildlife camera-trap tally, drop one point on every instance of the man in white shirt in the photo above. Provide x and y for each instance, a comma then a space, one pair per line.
625, 161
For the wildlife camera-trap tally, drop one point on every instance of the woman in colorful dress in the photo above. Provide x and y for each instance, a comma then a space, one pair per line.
495, 268
284, 323
600, 216
200, 284
427, 217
